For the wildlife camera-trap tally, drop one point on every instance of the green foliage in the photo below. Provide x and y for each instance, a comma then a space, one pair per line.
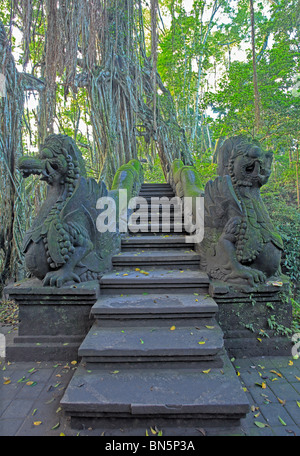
206, 169
278, 328
287, 222
153, 172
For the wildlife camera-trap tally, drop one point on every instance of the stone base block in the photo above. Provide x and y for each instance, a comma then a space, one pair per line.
52, 321
255, 322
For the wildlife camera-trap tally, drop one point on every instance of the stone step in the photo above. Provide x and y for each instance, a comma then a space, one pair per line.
161, 234
154, 241
146, 345
25, 349
149, 397
146, 215
155, 184
156, 194
158, 188
166, 210
175, 227
150, 215
161, 257
153, 199
154, 309
157, 202
156, 280
162, 187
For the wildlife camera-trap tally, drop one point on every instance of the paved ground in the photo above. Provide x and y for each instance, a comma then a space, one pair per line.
30, 396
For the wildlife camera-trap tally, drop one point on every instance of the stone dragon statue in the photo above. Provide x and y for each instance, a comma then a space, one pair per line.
63, 244
240, 243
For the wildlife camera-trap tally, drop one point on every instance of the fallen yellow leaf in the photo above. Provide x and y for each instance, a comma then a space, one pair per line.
298, 378
125, 274
37, 423
7, 381
172, 328
254, 408
206, 371
201, 342
281, 401
74, 362
290, 363
276, 373
263, 385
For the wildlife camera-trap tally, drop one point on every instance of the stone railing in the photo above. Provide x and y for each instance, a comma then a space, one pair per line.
185, 180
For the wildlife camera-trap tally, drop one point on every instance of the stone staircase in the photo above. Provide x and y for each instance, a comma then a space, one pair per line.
155, 353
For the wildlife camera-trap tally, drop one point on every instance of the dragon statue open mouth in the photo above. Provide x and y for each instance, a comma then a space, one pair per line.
63, 244
240, 243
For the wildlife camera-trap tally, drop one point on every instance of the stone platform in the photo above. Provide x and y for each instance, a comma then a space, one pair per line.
255, 322
52, 321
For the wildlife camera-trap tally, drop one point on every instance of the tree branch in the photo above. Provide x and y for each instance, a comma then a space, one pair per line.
30, 82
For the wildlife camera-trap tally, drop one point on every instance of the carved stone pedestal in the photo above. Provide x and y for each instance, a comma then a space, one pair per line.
52, 321
255, 323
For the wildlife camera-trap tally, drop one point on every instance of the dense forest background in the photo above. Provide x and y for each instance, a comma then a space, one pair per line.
154, 80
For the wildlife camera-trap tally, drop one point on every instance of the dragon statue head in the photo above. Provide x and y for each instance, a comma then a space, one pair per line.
59, 162
245, 162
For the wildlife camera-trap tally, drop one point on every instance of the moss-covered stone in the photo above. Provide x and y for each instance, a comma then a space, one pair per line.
186, 180
176, 165
191, 182
129, 177
187, 183
256, 323
138, 167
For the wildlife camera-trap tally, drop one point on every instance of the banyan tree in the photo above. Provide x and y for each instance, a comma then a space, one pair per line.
98, 47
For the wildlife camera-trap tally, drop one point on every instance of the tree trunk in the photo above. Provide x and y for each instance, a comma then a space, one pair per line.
125, 105
11, 205
10, 144
255, 83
